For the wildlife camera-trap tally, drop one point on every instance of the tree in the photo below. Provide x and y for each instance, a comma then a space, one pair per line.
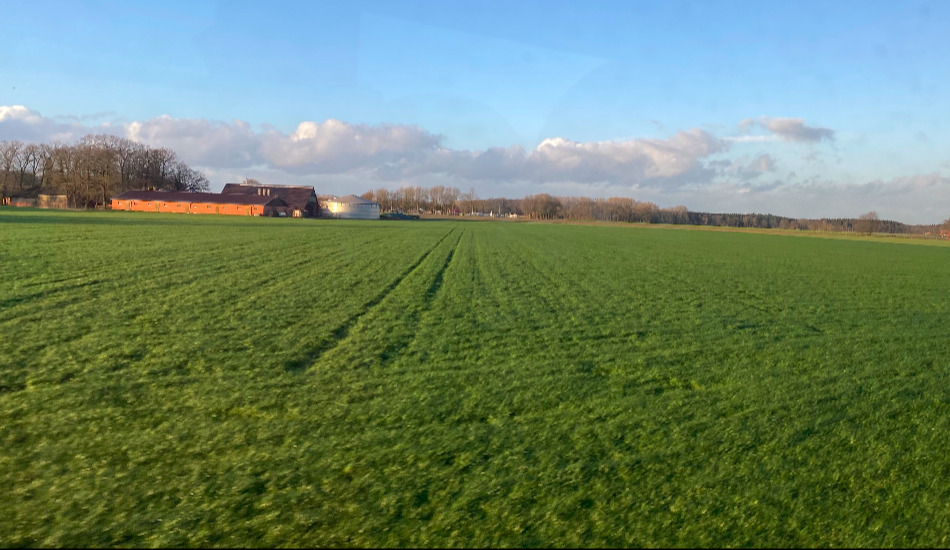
542, 206
184, 178
467, 201
867, 222
9, 159
383, 198
93, 170
32, 160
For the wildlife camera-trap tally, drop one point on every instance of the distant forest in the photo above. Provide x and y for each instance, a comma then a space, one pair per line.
449, 200
90, 172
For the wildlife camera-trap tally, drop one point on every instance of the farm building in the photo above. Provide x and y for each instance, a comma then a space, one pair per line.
19, 201
350, 207
301, 199
41, 201
200, 203
52, 201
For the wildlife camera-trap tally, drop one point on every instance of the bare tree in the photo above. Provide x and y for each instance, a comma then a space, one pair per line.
413, 198
33, 161
159, 165
383, 198
542, 206
867, 222
58, 170
184, 178
9, 157
467, 201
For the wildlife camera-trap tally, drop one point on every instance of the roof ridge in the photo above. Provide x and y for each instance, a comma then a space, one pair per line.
272, 185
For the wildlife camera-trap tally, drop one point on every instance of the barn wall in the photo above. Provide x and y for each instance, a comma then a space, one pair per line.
173, 207
240, 210
197, 207
144, 206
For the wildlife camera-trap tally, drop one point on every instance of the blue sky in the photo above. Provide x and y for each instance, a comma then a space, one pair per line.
800, 109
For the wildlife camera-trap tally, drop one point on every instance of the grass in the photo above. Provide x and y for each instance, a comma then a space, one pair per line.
171, 380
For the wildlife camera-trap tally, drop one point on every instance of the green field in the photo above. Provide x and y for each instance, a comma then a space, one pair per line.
173, 380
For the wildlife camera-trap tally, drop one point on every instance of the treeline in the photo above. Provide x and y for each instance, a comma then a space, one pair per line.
449, 200
866, 223
420, 200
90, 172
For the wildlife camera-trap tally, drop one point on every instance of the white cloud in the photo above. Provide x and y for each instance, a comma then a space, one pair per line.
394, 152
335, 146
634, 161
18, 122
18, 112
332, 146
788, 129
199, 141
638, 162
744, 168
752, 139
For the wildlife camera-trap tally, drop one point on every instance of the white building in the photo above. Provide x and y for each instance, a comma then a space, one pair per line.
350, 207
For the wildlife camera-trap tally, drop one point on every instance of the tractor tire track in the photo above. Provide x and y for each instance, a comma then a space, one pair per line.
341, 332
431, 293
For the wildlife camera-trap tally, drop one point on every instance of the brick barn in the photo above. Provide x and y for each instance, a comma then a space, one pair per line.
301, 199
200, 203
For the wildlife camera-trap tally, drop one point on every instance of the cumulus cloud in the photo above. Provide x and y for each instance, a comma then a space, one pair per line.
638, 162
394, 152
329, 147
326, 147
335, 146
199, 141
787, 129
18, 112
18, 122
744, 168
